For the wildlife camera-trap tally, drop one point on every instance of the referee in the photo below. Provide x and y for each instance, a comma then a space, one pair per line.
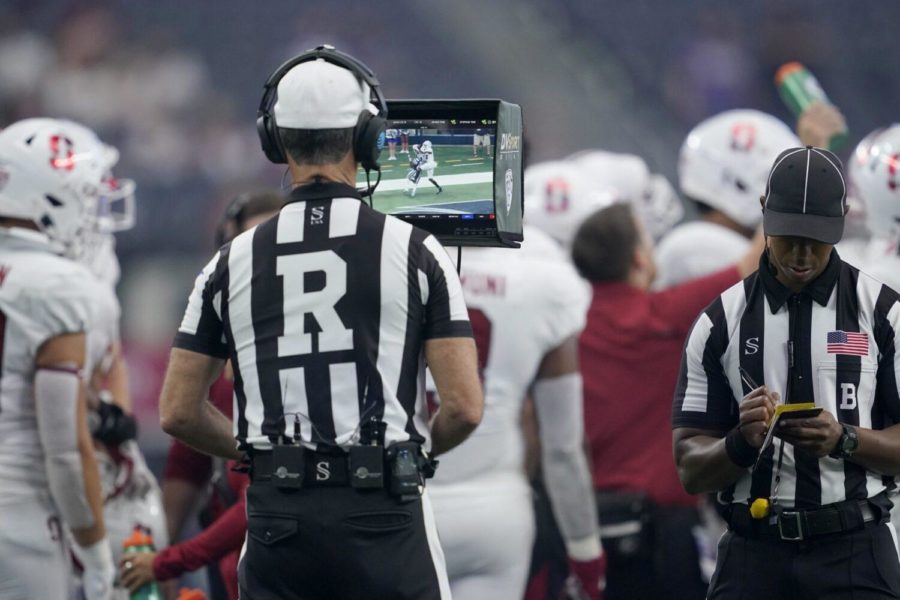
807, 514
329, 312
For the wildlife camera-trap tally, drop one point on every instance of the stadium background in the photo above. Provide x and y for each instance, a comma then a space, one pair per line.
175, 86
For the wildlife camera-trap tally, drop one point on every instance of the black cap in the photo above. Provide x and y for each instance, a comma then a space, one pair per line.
806, 196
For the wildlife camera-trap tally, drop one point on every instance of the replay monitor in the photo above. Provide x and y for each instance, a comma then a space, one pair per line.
454, 169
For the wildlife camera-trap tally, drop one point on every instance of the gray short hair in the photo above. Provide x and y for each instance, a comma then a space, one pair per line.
316, 146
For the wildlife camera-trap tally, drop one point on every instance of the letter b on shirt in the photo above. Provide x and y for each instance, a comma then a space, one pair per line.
295, 271
848, 396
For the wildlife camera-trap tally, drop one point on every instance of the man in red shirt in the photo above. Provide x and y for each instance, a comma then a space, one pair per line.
630, 352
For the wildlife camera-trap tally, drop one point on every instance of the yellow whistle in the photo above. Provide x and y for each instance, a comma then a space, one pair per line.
760, 508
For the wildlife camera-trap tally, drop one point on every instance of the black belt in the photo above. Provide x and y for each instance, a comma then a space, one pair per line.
798, 525
320, 468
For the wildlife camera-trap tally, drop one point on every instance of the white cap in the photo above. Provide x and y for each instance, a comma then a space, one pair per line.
317, 94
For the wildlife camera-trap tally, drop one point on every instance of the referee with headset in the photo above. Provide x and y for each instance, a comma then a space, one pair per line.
808, 513
329, 312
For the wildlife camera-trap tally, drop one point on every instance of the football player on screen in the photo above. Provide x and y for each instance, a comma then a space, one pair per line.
423, 161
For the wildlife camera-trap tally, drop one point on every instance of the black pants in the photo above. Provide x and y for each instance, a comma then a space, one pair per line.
862, 565
336, 542
662, 562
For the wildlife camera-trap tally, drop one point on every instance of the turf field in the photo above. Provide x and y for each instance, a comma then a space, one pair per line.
466, 181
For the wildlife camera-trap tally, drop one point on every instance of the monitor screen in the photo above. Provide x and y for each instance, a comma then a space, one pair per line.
438, 169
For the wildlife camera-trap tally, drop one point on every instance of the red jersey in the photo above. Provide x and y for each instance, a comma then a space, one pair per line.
630, 352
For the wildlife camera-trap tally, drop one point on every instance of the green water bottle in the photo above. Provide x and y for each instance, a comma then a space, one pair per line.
141, 541
799, 88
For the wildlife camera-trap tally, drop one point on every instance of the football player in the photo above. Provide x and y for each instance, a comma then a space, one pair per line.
526, 312
423, 161
132, 497
722, 168
392, 136
874, 174
130, 491
404, 141
48, 197
481, 138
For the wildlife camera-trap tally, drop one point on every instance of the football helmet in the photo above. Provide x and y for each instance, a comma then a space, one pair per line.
558, 198
44, 180
116, 201
725, 160
426, 147
874, 174
627, 177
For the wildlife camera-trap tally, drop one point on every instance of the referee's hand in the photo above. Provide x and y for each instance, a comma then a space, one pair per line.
757, 408
817, 436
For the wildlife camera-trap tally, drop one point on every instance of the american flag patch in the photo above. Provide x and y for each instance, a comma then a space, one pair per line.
848, 342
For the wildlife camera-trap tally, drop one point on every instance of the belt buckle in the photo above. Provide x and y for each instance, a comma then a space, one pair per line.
790, 520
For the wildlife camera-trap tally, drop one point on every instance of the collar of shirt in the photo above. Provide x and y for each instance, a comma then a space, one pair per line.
818, 289
321, 190
616, 290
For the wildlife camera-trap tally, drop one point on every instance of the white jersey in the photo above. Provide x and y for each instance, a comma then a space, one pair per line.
696, 249
520, 308
105, 332
41, 296
883, 263
855, 250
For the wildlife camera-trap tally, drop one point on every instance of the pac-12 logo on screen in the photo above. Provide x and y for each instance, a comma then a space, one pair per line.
508, 180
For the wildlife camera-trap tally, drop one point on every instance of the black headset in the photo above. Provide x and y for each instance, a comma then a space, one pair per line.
368, 127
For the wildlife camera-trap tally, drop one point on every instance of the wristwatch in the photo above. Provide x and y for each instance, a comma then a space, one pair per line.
847, 443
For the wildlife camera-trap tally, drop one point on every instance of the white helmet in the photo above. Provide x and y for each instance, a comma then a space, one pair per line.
43, 179
874, 173
627, 177
725, 160
426, 146
116, 209
558, 198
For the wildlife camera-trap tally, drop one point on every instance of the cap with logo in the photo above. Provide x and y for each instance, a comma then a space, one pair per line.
318, 94
806, 196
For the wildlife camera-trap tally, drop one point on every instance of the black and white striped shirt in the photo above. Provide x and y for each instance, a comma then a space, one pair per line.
782, 340
323, 311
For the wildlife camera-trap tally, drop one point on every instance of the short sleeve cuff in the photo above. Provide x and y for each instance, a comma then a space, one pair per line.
449, 329
701, 422
186, 341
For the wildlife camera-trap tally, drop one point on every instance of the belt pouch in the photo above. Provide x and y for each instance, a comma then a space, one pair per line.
366, 467
287, 467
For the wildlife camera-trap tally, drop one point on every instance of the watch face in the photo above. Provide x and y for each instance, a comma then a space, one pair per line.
849, 441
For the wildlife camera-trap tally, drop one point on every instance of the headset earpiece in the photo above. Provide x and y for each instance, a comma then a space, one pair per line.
270, 140
368, 129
